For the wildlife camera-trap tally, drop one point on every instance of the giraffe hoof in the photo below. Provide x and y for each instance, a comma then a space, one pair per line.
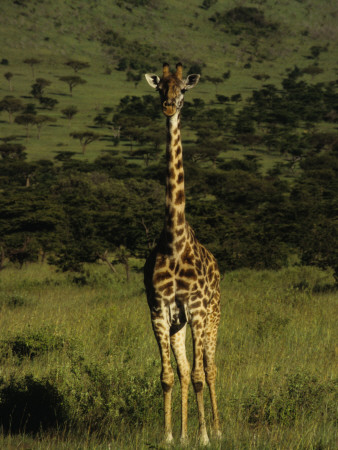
184, 441
204, 440
169, 438
217, 434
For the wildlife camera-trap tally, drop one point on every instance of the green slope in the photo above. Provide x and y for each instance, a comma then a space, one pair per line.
105, 32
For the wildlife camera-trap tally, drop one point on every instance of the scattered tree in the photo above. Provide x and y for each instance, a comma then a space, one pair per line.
207, 4
86, 138
9, 76
48, 102
261, 77
29, 108
11, 105
69, 112
222, 98
32, 62
40, 121
72, 81
195, 68
100, 120
77, 65
226, 75
39, 86
215, 81
312, 70
26, 120
236, 98
316, 50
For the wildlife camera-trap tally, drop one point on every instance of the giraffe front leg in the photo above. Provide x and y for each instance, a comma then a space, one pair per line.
198, 375
167, 393
161, 331
178, 345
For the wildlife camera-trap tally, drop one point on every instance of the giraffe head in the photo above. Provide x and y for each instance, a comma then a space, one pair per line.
172, 88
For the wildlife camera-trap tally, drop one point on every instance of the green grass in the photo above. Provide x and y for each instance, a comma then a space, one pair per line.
89, 351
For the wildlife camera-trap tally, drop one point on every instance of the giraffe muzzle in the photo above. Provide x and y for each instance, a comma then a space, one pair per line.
168, 110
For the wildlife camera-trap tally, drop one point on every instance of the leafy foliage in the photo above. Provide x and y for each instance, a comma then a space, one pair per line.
297, 398
34, 343
243, 19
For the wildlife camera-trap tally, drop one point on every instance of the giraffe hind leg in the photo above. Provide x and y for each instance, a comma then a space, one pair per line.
161, 330
213, 318
198, 374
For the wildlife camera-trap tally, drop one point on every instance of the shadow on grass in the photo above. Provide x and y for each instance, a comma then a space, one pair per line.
30, 405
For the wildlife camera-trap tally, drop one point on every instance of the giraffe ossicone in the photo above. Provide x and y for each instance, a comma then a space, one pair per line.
181, 276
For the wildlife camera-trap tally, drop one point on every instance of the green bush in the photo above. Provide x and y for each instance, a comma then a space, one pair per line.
243, 19
34, 343
14, 301
31, 405
299, 396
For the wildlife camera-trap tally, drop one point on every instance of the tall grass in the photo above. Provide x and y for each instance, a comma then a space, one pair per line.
80, 366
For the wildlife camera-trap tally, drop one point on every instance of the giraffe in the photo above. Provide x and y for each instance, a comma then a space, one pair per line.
181, 277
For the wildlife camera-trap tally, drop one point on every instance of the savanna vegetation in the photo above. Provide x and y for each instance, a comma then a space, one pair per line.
80, 366
81, 198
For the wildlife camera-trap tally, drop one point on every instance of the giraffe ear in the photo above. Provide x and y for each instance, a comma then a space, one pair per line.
152, 79
191, 81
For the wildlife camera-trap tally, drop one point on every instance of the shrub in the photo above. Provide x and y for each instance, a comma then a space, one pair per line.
30, 405
35, 343
243, 19
14, 301
300, 395
101, 396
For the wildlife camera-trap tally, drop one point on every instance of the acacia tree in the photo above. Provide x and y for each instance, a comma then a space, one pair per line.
39, 86
11, 105
40, 121
32, 62
215, 81
48, 102
72, 81
9, 76
69, 112
85, 137
26, 120
77, 65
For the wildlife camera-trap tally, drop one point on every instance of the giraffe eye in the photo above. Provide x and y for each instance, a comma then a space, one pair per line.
183, 91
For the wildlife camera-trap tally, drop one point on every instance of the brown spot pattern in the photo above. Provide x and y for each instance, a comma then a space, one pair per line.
179, 197
180, 178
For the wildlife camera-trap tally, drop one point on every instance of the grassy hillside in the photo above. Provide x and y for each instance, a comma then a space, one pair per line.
82, 366
104, 33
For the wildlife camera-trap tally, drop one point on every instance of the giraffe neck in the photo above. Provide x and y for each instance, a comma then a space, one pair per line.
175, 196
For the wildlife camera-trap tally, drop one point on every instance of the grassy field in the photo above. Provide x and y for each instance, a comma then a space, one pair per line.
80, 366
